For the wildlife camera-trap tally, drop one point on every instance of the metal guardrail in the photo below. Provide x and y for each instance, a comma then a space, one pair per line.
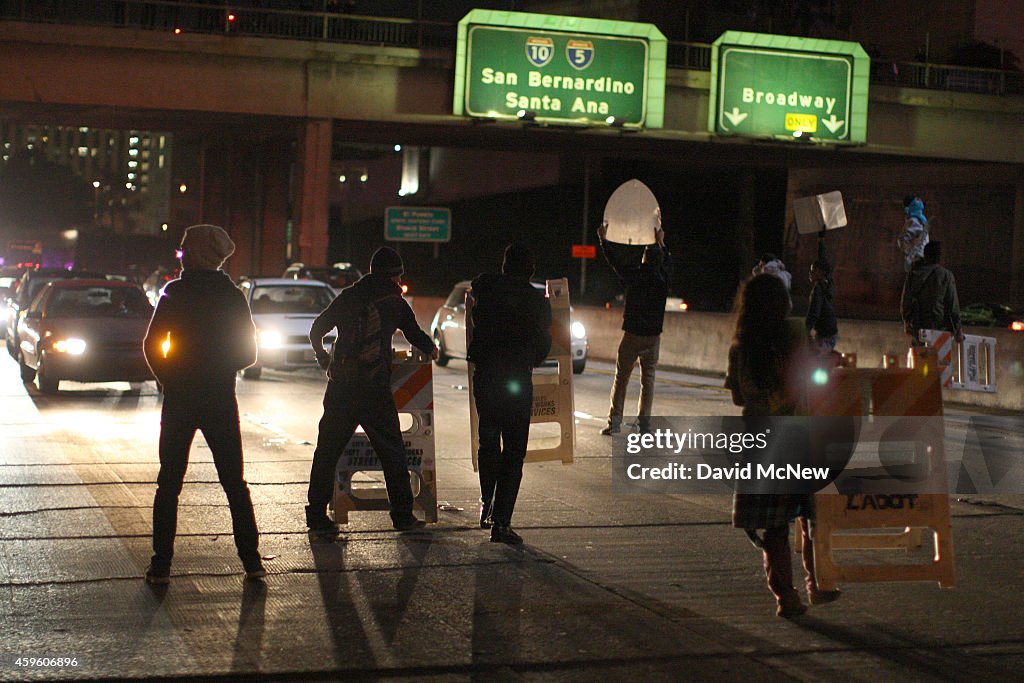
259, 18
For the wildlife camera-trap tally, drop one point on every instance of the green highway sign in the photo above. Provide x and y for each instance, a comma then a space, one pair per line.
417, 224
560, 69
781, 86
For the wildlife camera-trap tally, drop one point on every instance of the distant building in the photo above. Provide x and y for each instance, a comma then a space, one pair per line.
132, 168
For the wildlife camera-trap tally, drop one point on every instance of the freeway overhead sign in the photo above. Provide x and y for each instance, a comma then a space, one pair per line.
417, 224
555, 69
780, 86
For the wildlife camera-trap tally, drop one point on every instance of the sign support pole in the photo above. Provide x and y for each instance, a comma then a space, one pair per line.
585, 234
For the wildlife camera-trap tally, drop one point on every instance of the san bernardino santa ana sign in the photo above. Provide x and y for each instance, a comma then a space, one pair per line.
567, 70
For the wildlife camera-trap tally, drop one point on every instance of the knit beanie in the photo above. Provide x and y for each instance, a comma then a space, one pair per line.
386, 261
518, 260
205, 247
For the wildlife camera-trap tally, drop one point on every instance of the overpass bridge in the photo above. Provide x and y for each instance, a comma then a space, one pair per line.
269, 93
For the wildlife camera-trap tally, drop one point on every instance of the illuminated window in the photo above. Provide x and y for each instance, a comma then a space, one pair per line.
132, 163
83, 151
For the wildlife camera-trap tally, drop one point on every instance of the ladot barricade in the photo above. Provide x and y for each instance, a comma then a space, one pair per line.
412, 385
552, 392
892, 521
969, 365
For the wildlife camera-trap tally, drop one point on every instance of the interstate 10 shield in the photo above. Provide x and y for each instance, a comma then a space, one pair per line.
632, 214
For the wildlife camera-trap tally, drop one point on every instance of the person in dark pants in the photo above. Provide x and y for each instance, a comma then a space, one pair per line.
201, 334
646, 285
821, 311
511, 322
366, 315
929, 300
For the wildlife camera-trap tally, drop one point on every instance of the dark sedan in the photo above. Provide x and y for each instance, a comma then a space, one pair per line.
85, 331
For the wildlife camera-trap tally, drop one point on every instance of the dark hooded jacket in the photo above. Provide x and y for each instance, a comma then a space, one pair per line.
511, 323
395, 314
821, 311
929, 299
646, 286
210, 329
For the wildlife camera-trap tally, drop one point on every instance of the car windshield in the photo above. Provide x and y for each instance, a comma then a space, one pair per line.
286, 299
98, 302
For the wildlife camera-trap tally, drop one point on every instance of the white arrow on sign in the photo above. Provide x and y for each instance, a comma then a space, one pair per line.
736, 117
833, 124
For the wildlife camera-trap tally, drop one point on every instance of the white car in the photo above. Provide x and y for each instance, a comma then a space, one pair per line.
449, 330
283, 311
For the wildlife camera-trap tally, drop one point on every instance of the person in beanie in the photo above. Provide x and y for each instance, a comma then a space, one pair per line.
200, 336
511, 323
366, 315
646, 286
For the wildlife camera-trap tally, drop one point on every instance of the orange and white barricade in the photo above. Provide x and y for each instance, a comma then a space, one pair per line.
866, 521
553, 402
969, 365
412, 384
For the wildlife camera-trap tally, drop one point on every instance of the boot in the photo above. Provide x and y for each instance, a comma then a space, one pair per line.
502, 533
318, 521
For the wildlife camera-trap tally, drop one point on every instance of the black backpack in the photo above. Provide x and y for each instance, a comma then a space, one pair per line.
361, 346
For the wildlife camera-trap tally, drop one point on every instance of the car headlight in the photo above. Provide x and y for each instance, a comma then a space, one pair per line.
271, 339
578, 330
72, 346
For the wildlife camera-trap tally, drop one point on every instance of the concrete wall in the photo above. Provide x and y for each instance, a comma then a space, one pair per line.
700, 342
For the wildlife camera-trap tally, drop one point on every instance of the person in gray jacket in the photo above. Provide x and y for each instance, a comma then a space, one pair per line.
929, 299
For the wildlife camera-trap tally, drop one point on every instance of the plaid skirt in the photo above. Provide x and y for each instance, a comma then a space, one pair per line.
769, 511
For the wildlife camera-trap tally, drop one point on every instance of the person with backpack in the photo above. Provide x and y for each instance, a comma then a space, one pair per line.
511, 322
366, 316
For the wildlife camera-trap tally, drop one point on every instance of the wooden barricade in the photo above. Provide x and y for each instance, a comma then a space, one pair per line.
897, 519
412, 385
552, 392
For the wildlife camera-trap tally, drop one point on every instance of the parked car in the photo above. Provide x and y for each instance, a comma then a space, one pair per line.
284, 310
992, 315
449, 330
340, 275
30, 284
85, 330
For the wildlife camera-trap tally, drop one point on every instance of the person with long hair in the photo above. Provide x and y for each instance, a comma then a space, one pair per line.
764, 365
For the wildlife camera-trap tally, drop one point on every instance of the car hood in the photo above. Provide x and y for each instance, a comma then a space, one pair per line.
287, 324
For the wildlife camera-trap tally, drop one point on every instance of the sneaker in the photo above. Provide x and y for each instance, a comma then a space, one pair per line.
610, 429
502, 533
254, 569
485, 516
791, 609
157, 577
408, 523
823, 597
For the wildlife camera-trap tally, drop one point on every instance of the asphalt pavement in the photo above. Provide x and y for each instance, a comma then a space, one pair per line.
607, 586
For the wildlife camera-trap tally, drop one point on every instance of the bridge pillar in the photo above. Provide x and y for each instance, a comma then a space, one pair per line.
313, 201
243, 186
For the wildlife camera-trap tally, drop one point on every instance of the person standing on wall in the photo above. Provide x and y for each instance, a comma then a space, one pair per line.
511, 322
358, 367
646, 284
200, 336
929, 300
